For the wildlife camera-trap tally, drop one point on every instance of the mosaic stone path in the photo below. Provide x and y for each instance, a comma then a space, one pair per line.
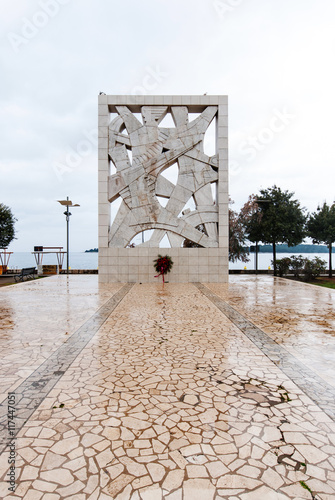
30, 393
171, 400
298, 316
322, 393
37, 317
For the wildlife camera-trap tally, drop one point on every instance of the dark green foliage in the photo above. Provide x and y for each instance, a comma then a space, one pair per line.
279, 219
300, 267
297, 265
321, 228
7, 221
321, 225
283, 265
237, 238
191, 244
313, 268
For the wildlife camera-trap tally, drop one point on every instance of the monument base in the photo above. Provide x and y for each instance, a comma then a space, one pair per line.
136, 265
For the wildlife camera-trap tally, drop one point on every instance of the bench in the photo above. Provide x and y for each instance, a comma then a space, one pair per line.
26, 271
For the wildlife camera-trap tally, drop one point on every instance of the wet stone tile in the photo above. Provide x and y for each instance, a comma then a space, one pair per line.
170, 397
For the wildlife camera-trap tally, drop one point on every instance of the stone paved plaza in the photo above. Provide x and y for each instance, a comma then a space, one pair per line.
187, 392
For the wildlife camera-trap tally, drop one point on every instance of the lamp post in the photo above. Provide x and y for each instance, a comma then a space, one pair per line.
256, 258
256, 249
67, 214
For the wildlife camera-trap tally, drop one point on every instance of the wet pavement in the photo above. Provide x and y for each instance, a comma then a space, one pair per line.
191, 391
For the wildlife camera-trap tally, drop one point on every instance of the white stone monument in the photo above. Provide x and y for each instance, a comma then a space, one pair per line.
138, 197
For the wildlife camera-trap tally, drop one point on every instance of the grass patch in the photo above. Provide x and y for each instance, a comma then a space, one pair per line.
305, 486
325, 284
60, 406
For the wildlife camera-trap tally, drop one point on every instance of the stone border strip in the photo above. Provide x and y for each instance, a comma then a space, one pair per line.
32, 391
317, 389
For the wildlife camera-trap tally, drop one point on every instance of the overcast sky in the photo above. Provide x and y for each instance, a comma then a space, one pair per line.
273, 58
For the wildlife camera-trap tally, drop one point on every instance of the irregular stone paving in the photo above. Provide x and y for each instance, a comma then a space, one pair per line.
36, 317
299, 316
32, 391
170, 400
322, 393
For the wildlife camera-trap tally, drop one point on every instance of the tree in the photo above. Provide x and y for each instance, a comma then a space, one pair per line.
251, 217
278, 219
7, 221
191, 244
237, 237
321, 228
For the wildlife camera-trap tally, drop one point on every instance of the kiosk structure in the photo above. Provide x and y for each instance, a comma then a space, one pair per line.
4, 259
156, 180
40, 251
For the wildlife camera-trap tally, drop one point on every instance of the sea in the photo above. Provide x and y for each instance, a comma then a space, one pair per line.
89, 260
77, 260
265, 260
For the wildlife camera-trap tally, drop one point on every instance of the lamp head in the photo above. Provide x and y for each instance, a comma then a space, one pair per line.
68, 203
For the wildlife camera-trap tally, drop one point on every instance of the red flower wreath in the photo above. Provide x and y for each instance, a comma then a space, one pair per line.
163, 265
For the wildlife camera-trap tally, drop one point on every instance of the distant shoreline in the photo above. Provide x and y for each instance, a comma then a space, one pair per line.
296, 249
268, 249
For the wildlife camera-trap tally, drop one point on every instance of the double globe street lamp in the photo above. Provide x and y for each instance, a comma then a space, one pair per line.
67, 214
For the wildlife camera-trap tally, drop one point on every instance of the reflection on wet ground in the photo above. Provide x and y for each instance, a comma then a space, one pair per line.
37, 317
155, 393
299, 316
7, 323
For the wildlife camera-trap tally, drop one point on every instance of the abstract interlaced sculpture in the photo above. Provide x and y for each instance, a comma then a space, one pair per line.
138, 179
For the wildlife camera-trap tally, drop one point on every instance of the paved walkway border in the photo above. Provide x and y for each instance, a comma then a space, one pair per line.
30, 393
316, 388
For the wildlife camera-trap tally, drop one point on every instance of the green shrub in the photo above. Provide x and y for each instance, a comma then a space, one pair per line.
313, 268
297, 265
282, 265
300, 266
